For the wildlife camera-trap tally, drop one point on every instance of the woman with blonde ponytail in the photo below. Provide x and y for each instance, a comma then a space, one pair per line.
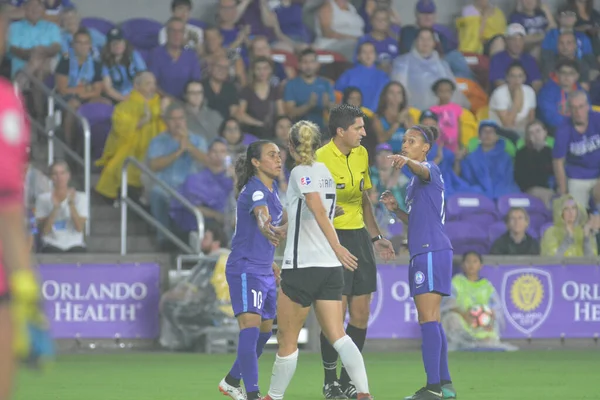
312, 268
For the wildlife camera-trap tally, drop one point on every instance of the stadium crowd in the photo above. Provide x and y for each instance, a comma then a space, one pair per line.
514, 97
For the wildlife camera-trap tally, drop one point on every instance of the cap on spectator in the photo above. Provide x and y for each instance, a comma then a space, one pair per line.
428, 114
114, 34
425, 7
515, 29
488, 123
383, 147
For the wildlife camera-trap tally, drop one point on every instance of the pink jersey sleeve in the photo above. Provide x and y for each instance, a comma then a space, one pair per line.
14, 140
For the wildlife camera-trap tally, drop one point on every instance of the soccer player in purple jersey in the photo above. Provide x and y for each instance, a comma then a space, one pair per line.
251, 273
430, 270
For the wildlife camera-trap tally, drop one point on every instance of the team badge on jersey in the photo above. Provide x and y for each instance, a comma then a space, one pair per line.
305, 181
419, 278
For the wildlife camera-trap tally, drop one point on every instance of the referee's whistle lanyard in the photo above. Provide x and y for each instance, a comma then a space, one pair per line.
350, 169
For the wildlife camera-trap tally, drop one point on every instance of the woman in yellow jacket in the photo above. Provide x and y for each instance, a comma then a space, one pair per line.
136, 121
481, 28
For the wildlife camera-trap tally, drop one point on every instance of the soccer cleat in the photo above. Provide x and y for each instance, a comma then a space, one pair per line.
425, 394
333, 391
448, 391
364, 396
350, 391
236, 393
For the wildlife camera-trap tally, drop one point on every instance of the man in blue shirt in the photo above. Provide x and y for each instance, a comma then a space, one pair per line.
71, 23
308, 95
172, 156
566, 23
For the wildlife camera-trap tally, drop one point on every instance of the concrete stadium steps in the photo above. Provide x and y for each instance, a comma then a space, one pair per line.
136, 244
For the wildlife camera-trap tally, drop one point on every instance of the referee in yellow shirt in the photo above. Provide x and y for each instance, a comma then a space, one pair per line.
357, 230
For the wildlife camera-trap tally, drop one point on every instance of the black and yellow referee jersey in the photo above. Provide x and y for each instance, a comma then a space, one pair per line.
351, 176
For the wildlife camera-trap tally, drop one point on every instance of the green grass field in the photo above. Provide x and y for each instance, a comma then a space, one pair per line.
527, 375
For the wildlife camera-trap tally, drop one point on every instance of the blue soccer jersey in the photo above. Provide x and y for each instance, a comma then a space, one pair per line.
426, 213
251, 252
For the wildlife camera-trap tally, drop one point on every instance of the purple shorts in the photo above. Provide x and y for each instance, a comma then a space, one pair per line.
431, 272
256, 294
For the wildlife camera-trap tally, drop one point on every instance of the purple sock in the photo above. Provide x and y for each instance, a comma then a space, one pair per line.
263, 338
246, 358
444, 370
431, 349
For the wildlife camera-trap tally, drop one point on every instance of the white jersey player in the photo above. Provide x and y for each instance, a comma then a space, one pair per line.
312, 270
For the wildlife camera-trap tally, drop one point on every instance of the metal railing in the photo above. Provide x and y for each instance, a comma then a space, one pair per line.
49, 130
126, 202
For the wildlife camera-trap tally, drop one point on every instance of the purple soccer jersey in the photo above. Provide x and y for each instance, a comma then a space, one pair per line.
251, 252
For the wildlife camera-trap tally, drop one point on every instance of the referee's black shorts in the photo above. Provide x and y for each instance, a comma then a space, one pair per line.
307, 285
364, 279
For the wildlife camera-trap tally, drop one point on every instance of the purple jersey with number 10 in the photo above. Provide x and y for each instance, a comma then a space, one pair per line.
251, 252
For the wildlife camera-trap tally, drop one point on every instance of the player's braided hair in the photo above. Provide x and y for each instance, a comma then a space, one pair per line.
430, 134
306, 139
244, 169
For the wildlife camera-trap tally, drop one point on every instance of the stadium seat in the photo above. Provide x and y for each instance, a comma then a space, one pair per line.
100, 24
142, 32
467, 236
480, 65
537, 210
544, 228
509, 147
333, 64
473, 92
483, 113
285, 57
471, 207
469, 127
99, 117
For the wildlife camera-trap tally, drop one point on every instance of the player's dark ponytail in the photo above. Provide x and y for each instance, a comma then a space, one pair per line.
244, 170
430, 133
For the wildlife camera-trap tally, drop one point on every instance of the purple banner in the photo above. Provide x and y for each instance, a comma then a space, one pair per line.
102, 301
539, 302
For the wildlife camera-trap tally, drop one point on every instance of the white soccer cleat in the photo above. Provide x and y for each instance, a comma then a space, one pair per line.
236, 393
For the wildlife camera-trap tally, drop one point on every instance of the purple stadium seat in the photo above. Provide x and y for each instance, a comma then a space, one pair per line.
99, 117
142, 33
197, 22
249, 138
100, 24
544, 228
471, 207
467, 236
497, 229
537, 210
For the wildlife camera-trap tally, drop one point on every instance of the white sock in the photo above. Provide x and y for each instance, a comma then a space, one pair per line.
283, 371
353, 362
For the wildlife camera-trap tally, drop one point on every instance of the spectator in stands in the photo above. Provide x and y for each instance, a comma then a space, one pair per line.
536, 17
515, 51
308, 95
567, 50
392, 117
228, 16
173, 156
490, 26
489, 167
71, 23
470, 290
365, 76
260, 102
193, 35
120, 64
208, 190
338, 27
214, 51
516, 241
231, 131
219, 92
353, 96
172, 64
78, 79
368, 9
384, 177
566, 23
533, 164
573, 234
33, 44
201, 119
61, 214
420, 69
553, 98
446, 45
259, 47
576, 151
36, 184
513, 104
588, 20
448, 114
135, 122
257, 15
53, 9
386, 46
281, 131
289, 27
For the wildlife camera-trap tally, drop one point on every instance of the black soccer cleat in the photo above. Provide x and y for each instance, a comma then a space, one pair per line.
333, 391
350, 391
425, 394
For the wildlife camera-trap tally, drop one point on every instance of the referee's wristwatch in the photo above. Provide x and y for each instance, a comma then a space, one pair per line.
376, 238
